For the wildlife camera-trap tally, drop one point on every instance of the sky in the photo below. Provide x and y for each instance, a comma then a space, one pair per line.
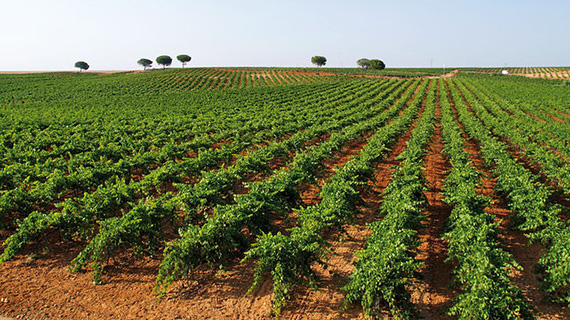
38, 35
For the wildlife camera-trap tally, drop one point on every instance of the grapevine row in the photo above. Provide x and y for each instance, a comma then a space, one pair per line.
384, 267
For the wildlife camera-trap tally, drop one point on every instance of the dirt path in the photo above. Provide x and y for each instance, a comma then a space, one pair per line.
432, 294
447, 75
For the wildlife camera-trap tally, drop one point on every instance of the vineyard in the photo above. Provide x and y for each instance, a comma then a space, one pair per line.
250, 193
545, 73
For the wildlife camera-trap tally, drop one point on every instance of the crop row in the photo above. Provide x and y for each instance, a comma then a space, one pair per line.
524, 137
73, 219
219, 78
384, 267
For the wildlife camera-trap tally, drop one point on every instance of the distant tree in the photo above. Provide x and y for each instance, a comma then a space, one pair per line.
319, 61
145, 62
364, 64
165, 61
376, 64
184, 58
82, 65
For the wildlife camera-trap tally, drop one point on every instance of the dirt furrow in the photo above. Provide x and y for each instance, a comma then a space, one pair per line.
432, 294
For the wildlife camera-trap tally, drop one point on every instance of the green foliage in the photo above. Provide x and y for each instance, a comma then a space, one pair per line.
305, 246
385, 266
377, 65
184, 58
145, 62
287, 258
383, 271
553, 266
99, 160
319, 61
165, 61
277, 194
528, 199
34, 224
363, 63
140, 228
82, 65
89, 176
391, 72
482, 266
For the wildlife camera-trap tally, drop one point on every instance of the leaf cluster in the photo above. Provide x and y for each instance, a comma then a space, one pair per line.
164, 60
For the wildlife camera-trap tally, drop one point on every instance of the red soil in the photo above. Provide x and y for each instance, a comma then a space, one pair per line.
326, 303
554, 117
432, 294
517, 244
310, 191
42, 288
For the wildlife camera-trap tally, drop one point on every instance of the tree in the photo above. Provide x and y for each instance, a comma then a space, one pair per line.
364, 64
82, 65
145, 62
165, 61
319, 61
376, 64
184, 58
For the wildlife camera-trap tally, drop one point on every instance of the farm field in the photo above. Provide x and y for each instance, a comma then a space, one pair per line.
545, 73
254, 193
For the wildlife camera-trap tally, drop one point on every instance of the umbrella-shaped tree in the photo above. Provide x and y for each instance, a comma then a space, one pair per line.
364, 64
319, 61
165, 61
184, 58
82, 65
145, 62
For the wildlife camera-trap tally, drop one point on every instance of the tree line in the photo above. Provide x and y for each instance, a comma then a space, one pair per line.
364, 63
319, 61
164, 60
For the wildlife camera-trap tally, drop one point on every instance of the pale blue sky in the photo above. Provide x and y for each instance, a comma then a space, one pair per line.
114, 34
